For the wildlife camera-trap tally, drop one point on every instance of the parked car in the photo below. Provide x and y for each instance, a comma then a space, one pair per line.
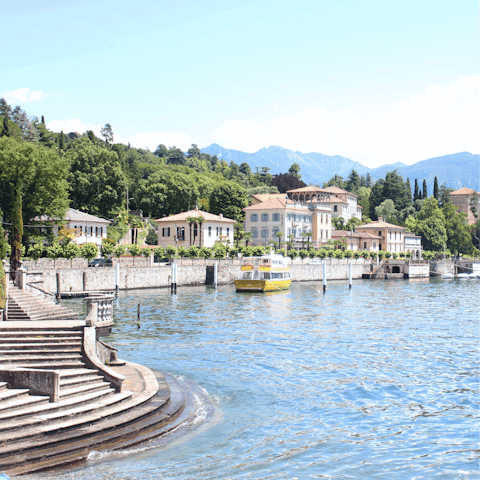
100, 262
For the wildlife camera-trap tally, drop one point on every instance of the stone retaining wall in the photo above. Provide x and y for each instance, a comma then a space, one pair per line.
103, 279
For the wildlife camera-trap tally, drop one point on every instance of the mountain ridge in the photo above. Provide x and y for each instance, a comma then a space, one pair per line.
455, 170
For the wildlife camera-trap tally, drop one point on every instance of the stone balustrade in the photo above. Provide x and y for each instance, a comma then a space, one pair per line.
100, 311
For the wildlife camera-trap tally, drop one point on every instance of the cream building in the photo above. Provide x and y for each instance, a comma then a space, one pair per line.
344, 204
358, 240
305, 210
175, 230
392, 237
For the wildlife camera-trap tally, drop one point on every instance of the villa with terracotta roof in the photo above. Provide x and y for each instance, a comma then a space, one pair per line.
391, 237
358, 240
462, 198
305, 210
175, 230
263, 197
344, 204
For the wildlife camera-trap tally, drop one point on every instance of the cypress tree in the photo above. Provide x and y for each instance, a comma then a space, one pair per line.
416, 192
61, 144
17, 232
368, 181
425, 192
408, 192
43, 119
6, 129
435, 188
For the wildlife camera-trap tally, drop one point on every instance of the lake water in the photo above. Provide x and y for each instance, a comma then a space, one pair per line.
377, 382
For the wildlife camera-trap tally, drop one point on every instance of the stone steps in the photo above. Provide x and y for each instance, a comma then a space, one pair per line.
118, 428
23, 306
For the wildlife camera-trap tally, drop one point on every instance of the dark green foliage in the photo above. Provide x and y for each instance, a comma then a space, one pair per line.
353, 182
376, 197
41, 173
294, 171
43, 120
425, 191
408, 192
91, 136
416, 193
436, 192
229, 199
394, 189
336, 181
61, 142
6, 129
97, 181
285, 182
368, 181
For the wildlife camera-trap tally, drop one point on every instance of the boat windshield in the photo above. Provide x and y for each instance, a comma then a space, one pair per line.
247, 275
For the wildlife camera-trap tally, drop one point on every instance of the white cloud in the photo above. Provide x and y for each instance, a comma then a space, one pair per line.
23, 95
277, 105
152, 140
439, 121
73, 125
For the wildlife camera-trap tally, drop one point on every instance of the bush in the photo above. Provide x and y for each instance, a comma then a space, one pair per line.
89, 251
159, 252
193, 252
171, 251
347, 254
107, 249
70, 251
205, 253
54, 251
119, 250
146, 252
36, 251
182, 252
338, 254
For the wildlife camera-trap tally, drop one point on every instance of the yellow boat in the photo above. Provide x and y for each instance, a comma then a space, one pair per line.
264, 274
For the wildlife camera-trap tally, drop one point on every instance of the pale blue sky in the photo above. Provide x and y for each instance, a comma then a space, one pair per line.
314, 75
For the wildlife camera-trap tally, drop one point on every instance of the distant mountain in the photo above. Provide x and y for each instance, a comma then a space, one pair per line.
315, 167
456, 170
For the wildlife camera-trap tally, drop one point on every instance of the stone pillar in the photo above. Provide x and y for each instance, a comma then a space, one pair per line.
21, 277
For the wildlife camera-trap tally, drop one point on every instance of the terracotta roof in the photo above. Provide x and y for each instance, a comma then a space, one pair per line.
270, 204
334, 189
378, 224
463, 191
263, 197
307, 189
182, 217
347, 233
337, 200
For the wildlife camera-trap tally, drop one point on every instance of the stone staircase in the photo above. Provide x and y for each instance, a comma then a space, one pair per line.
23, 305
37, 433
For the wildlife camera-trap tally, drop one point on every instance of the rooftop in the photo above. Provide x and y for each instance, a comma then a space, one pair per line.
208, 217
380, 224
263, 197
463, 191
334, 189
273, 203
308, 189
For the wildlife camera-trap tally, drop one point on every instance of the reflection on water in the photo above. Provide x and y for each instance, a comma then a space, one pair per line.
377, 382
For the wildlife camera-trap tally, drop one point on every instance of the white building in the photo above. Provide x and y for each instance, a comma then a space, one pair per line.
413, 243
305, 211
88, 228
175, 230
344, 204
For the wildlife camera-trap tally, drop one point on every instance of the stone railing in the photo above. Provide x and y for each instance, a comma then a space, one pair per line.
99, 311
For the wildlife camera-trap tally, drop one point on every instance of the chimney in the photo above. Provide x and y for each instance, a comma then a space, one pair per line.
221, 215
380, 219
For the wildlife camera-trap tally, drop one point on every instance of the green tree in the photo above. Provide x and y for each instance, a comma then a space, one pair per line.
431, 225
70, 251
459, 238
279, 235
394, 189
134, 250
107, 133
417, 195
353, 182
53, 252
294, 171
38, 174
364, 200
436, 192
229, 199
386, 210
89, 251
146, 252
376, 197
119, 250
107, 249
408, 192
353, 223
338, 223
425, 191
97, 181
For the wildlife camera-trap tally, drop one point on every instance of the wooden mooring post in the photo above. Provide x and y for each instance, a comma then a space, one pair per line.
324, 276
